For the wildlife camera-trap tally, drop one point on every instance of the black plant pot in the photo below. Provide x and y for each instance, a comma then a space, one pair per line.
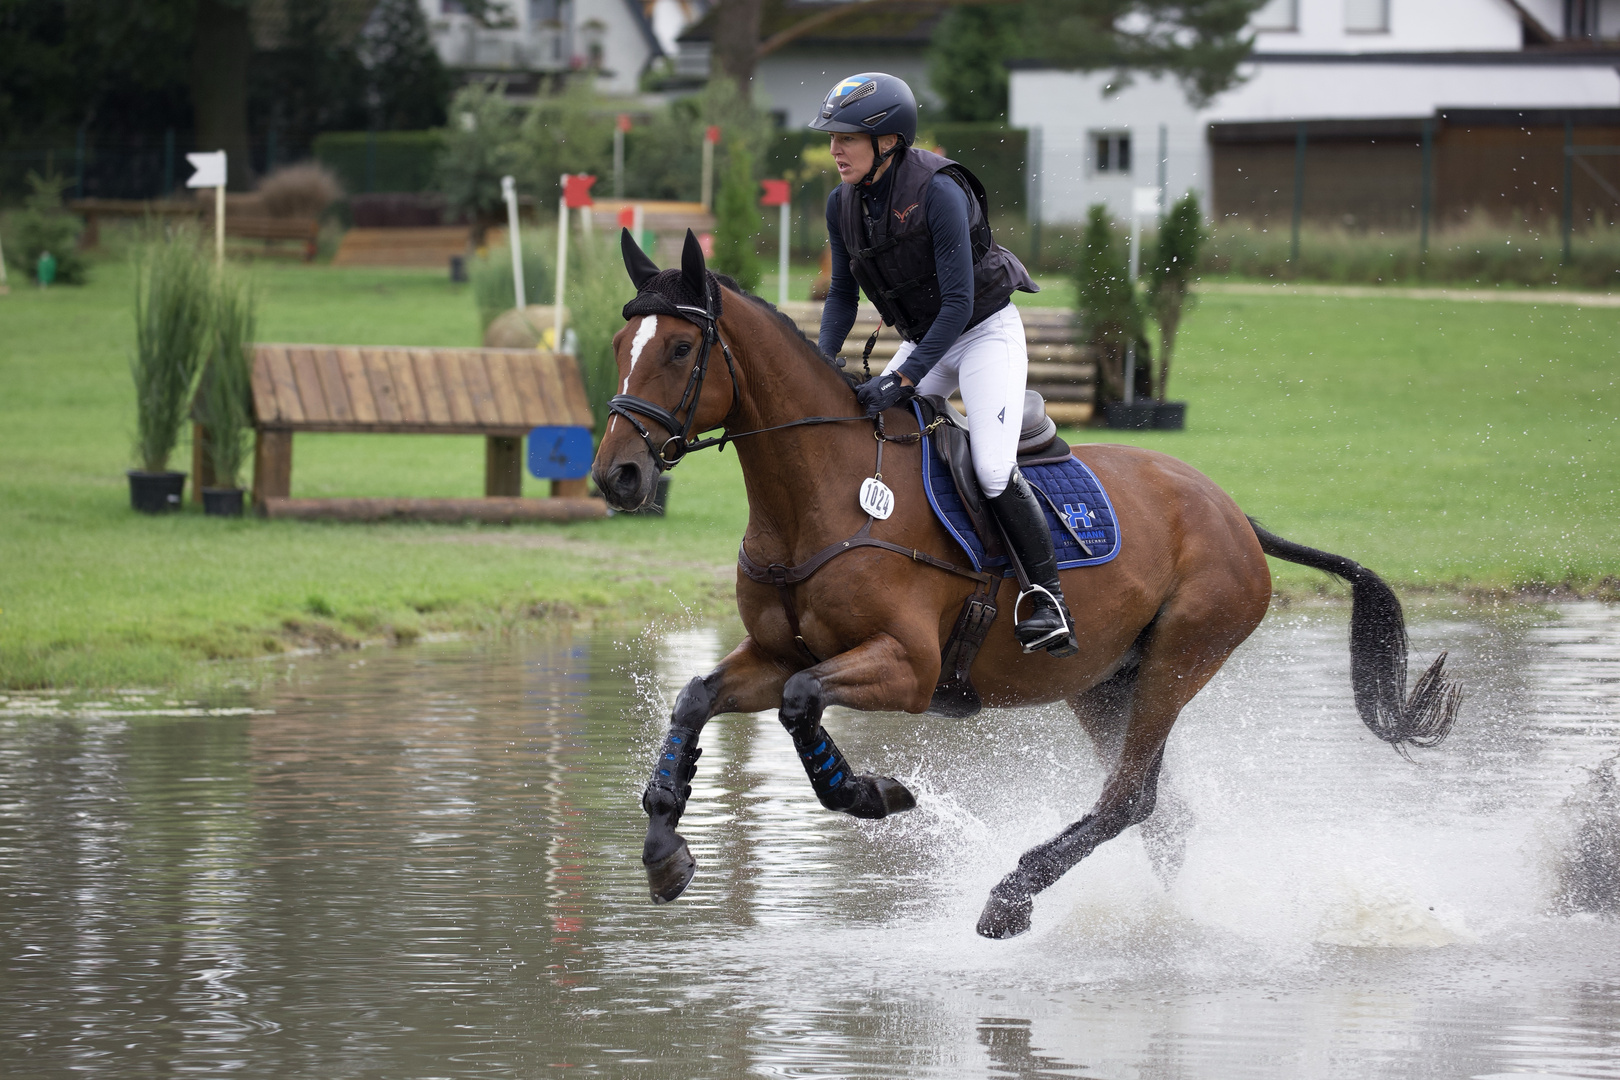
155, 492
222, 502
1135, 415
1170, 415
659, 503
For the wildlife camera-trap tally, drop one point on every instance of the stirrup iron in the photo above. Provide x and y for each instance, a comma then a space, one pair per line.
1065, 631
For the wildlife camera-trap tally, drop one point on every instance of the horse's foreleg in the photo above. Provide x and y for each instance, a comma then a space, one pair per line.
877, 674
745, 681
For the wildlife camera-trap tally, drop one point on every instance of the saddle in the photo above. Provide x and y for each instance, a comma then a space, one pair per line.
1038, 444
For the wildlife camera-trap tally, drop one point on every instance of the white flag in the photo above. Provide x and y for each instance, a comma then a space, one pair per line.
210, 169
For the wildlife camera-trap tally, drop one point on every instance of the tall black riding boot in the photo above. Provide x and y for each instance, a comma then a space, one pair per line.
1049, 625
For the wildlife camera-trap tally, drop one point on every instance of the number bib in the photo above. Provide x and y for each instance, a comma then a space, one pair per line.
876, 498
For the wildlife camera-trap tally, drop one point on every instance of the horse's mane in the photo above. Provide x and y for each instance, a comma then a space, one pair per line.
792, 327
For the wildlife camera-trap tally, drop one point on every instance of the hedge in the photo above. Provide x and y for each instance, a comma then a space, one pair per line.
368, 161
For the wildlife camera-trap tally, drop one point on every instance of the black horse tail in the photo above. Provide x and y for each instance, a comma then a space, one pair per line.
1378, 653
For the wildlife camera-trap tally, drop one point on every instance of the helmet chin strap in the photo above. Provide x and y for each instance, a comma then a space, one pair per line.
878, 158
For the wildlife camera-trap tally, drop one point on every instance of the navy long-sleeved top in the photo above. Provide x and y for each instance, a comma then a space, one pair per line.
947, 209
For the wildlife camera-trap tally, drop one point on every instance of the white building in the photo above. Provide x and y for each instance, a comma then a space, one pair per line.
1391, 66
615, 38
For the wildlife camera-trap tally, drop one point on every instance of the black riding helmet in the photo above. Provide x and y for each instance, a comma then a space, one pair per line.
875, 103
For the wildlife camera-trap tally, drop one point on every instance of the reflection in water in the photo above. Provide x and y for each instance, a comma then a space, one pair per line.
426, 863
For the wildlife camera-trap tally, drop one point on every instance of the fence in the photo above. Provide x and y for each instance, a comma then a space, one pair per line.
1455, 167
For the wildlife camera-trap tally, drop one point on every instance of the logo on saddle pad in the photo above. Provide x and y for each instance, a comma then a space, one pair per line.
1079, 517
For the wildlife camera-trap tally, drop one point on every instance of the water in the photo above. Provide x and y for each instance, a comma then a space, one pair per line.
424, 863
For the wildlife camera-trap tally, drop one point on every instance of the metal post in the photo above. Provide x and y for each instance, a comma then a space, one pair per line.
1569, 183
618, 161
710, 137
562, 263
1164, 168
1299, 192
168, 161
1032, 192
782, 256
509, 193
1427, 206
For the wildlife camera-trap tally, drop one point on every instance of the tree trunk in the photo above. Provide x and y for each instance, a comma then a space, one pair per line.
219, 60
736, 42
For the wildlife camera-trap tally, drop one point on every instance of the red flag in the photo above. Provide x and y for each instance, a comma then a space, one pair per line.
713, 134
624, 121
706, 243
627, 216
577, 190
776, 193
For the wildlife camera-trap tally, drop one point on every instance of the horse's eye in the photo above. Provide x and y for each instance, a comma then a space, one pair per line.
682, 349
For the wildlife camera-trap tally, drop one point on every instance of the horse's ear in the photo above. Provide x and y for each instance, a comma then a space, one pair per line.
693, 269
636, 263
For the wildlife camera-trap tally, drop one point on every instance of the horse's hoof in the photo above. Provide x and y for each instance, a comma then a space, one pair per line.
1006, 913
878, 797
669, 876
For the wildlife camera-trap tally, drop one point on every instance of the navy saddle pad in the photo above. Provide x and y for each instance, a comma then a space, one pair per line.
1068, 485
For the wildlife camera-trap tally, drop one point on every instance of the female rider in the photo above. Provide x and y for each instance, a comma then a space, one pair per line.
911, 230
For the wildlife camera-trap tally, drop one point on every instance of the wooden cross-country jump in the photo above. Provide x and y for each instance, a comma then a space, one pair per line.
500, 394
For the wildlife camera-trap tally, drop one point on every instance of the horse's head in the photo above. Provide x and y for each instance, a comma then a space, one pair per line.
676, 377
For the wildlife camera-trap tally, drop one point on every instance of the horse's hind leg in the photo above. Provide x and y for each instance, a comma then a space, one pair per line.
874, 675
1180, 655
1103, 712
745, 681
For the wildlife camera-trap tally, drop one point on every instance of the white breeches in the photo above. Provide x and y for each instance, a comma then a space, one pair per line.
989, 364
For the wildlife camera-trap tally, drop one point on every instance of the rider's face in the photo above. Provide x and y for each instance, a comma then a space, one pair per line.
852, 153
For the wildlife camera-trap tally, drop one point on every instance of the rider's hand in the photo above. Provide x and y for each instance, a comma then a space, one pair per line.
883, 392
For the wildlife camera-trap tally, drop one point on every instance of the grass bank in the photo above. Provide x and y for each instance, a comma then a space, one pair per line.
1444, 444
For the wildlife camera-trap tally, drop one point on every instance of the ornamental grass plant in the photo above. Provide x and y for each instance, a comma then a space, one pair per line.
225, 393
173, 294
490, 274
597, 292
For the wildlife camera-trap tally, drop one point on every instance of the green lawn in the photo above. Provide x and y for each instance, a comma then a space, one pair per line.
1441, 443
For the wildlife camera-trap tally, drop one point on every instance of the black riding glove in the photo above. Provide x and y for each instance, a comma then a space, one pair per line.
883, 392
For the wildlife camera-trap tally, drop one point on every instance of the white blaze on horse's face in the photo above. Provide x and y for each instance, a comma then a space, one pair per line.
644, 334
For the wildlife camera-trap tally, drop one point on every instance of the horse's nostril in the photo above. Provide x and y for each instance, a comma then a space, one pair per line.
627, 481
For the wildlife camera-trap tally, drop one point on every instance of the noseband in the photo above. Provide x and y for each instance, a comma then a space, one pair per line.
680, 441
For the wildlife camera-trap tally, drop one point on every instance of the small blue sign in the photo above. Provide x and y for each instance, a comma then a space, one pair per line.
560, 453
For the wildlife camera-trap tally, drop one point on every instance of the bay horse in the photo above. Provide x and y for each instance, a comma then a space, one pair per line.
843, 609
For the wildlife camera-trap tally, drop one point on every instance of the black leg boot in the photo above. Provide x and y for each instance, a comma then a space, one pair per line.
1049, 625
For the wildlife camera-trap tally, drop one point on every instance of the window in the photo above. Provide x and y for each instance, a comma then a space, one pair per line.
1112, 151
1366, 16
1277, 15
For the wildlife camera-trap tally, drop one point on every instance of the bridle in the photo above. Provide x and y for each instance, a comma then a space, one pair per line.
680, 442
668, 454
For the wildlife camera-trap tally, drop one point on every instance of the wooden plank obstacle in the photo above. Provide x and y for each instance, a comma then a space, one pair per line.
500, 394
1061, 368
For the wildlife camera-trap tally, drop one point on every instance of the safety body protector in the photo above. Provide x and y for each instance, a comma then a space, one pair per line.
891, 255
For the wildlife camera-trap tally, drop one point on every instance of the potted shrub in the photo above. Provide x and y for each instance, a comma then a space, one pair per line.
1170, 277
224, 396
171, 322
1112, 319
